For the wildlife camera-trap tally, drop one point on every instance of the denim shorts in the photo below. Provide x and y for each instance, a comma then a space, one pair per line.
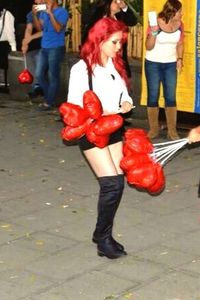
157, 73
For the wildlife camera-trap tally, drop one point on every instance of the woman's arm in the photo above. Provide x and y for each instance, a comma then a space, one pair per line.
152, 33
78, 83
126, 15
27, 34
179, 51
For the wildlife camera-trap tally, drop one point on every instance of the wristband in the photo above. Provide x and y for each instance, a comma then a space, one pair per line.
179, 58
154, 33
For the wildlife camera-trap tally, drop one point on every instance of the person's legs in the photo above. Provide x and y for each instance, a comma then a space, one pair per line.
41, 69
153, 78
55, 57
32, 61
169, 81
111, 189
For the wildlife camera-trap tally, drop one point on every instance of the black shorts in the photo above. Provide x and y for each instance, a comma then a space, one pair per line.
115, 137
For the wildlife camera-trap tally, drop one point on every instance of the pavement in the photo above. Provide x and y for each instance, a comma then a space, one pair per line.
48, 212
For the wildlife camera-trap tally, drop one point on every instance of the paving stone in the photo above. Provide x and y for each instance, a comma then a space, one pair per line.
85, 287
68, 263
16, 284
172, 286
166, 256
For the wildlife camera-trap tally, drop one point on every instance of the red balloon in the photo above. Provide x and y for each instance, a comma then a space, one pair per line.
73, 114
25, 77
159, 185
92, 104
136, 159
140, 144
99, 140
126, 150
134, 132
142, 176
69, 133
108, 124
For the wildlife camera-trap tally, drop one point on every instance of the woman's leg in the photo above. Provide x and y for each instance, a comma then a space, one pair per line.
105, 164
152, 72
169, 81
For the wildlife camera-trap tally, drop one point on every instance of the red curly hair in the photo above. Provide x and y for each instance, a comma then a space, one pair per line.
100, 32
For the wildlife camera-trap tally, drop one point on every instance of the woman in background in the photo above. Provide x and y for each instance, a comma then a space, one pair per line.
163, 59
116, 9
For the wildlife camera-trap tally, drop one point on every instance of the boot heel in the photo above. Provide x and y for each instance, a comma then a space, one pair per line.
100, 253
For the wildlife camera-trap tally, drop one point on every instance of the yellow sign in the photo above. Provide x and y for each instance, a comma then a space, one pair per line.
187, 89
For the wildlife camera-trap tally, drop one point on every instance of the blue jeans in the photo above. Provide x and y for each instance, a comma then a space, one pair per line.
32, 59
157, 73
48, 72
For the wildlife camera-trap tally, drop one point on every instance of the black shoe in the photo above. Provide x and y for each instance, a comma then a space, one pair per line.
118, 245
35, 93
106, 247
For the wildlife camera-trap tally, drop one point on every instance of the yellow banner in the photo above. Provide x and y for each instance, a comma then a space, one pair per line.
186, 79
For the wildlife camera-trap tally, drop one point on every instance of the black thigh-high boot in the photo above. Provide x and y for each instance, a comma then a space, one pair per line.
111, 188
95, 237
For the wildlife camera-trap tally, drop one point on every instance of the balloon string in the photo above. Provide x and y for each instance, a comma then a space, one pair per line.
161, 150
25, 62
172, 153
164, 151
171, 142
160, 155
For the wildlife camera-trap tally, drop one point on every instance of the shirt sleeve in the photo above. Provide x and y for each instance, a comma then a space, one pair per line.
10, 30
78, 83
62, 17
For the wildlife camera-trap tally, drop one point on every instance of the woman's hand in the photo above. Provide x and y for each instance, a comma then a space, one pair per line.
194, 135
126, 107
179, 64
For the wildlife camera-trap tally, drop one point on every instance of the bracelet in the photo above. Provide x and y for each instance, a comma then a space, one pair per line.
179, 58
154, 33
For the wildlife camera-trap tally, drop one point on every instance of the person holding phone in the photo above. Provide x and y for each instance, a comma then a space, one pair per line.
163, 60
52, 22
31, 45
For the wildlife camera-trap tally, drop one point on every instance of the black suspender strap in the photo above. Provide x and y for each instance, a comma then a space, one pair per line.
90, 82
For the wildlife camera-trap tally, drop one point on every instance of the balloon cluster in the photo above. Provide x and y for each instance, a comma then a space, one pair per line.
141, 169
25, 77
88, 121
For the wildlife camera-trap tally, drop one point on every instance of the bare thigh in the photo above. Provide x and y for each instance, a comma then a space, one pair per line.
105, 162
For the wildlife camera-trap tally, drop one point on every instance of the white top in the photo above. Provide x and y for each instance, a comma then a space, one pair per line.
107, 84
8, 33
164, 50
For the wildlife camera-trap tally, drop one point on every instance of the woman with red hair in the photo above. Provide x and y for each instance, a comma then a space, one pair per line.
101, 69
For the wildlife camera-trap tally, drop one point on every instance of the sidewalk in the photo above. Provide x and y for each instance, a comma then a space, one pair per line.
48, 212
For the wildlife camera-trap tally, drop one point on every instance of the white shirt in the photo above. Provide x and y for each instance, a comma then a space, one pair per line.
164, 50
8, 33
107, 84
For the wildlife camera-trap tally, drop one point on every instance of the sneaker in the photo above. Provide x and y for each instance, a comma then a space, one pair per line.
44, 107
